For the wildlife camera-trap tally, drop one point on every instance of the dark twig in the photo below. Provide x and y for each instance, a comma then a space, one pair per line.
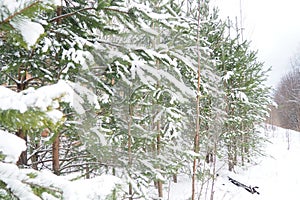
250, 189
69, 14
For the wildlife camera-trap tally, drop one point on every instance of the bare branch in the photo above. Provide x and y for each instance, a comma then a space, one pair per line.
12, 78
30, 79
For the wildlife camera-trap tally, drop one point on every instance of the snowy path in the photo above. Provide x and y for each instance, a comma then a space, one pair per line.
277, 175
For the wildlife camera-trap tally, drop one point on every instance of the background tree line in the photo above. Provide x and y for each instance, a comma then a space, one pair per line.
286, 96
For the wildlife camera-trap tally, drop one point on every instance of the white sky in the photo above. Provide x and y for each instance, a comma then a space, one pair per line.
274, 28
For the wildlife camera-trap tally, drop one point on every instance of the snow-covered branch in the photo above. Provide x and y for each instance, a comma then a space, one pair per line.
47, 98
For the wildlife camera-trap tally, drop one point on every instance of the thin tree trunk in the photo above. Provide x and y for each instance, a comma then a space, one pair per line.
55, 155
87, 171
214, 169
159, 182
56, 142
34, 157
130, 189
23, 157
230, 157
114, 193
197, 137
175, 178
20, 133
235, 151
243, 148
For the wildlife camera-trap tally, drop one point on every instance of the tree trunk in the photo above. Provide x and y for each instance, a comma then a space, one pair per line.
235, 155
34, 157
175, 178
159, 182
55, 145
55, 155
23, 157
114, 193
197, 132
230, 158
130, 189
20, 87
87, 171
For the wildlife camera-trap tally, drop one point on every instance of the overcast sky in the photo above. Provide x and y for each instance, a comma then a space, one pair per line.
274, 28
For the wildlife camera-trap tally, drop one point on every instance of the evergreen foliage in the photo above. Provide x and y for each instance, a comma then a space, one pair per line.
139, 60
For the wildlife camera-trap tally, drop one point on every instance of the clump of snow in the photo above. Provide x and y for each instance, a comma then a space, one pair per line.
96, 188
82, 91
228, 76
47, 98
55, 2
29, 30
11, 146
242, 96
55, 115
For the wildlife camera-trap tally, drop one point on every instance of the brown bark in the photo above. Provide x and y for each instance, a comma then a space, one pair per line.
160, 189
23, 157
87, 170
55, 155
175, 178
158, 141
20, 87
56, 142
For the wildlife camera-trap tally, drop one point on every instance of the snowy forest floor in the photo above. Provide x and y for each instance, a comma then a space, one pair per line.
277, 174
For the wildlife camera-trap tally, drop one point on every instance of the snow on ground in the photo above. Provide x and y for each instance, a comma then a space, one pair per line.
277, 175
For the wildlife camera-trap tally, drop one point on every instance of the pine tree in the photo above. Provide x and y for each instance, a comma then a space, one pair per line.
57, 52
246, 98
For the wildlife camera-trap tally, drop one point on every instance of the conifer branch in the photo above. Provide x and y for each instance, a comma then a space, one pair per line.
19, 12
69, 14
116, 10
83, 9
